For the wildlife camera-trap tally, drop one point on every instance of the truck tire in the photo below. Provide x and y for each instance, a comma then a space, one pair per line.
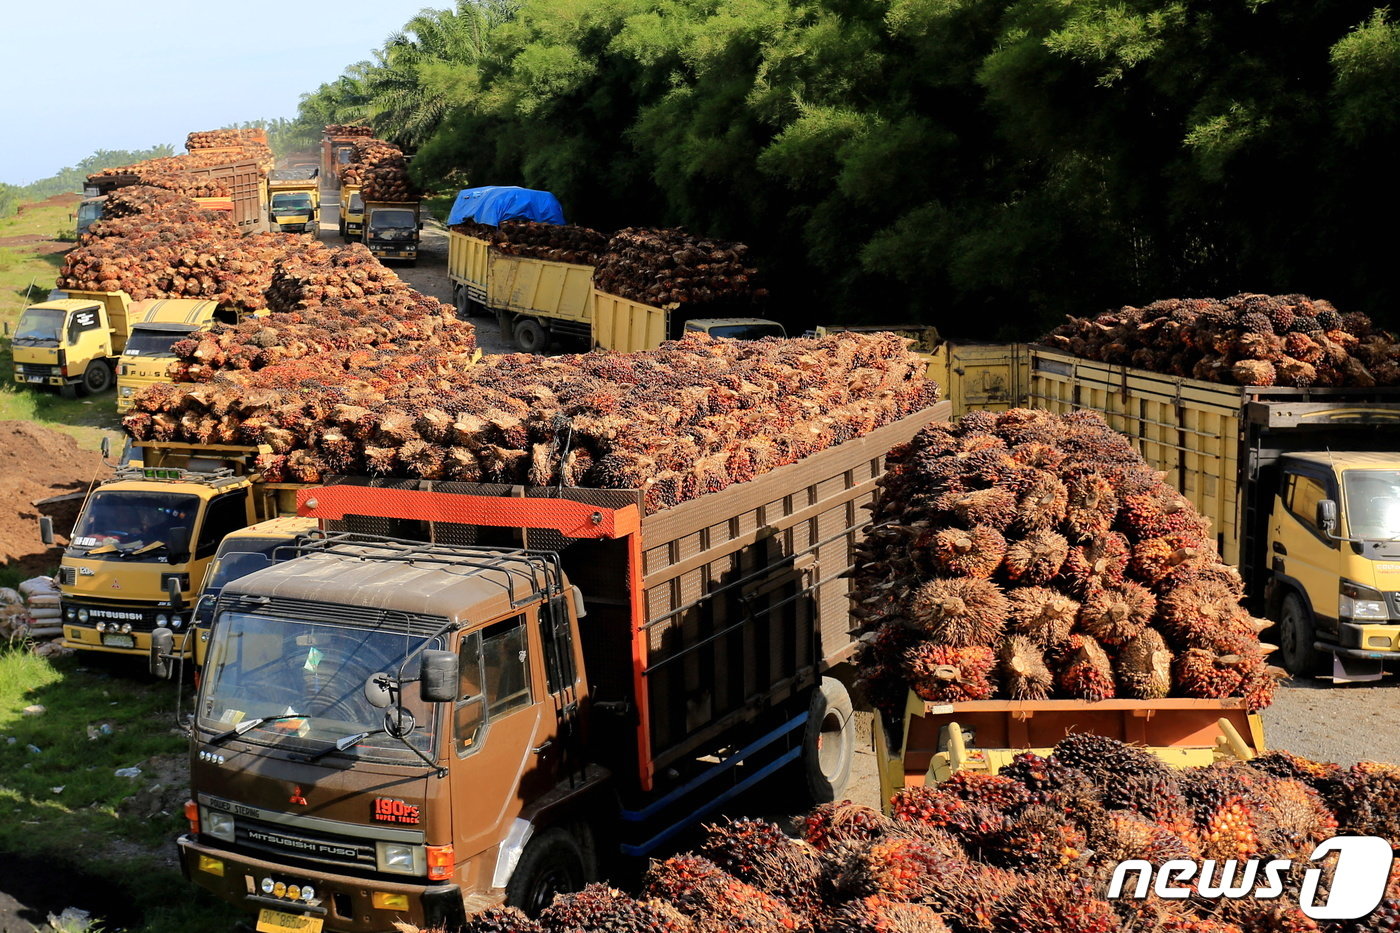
530, 336
461, 302
1296, 635
828, 742
97, 378
553, 863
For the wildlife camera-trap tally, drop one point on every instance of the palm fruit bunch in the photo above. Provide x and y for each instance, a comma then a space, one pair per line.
569, 243
715, 900
180, 173
1031, 556
370, 154
607, 910
224, 139
348, 130
669, 268
389, 390
1248, 339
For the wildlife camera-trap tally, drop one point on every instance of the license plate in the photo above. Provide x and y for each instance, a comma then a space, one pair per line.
34, 378
279, 921
118, 641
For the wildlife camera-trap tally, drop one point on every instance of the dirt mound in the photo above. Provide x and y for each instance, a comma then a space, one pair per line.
37, 463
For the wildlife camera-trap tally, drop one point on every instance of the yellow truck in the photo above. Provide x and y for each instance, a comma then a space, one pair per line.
537, 300
72, 343
155, 327
352, 214
1302, 487
143, 542
294, 202
392, 230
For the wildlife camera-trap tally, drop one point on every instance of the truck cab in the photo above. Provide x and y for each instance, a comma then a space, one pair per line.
295, 200
736, 328
392, 230
1334, 549
89, 212
157, 520
147, 356
352, 213
69, 344
382, 733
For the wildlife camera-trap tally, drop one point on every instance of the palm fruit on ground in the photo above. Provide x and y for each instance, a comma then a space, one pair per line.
758, 852
601, 909
501, 920
842, 828
1051, 903
876, 913
716, 900
1374, 807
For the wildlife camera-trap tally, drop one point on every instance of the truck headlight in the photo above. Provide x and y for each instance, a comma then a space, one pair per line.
216, 824
396, 857
82, 615
127, 391
1361, 603
162, 619
71, 614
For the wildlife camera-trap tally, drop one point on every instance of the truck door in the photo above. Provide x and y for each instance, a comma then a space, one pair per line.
88, 337
496, 724
1298, 548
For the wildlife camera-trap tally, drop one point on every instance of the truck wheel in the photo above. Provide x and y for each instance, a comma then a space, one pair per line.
552, 863
97, 378
1296, 634
530, 336
462, 302
828, 741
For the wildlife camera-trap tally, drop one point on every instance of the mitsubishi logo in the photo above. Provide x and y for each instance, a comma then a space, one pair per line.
297, 798
116, 585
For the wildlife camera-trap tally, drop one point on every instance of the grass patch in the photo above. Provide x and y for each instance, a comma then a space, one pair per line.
23, 270
81, 825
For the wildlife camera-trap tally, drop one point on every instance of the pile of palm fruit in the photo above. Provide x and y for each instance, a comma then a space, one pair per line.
1025, 555
555, 242
381, 169
344, 130
175, 172
1030, 850
1252, 340
224, 139
677, 422
668, 268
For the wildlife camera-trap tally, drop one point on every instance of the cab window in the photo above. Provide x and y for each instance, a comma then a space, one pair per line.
469, 712
493, 679
557, 637
80, 323
226, 514
1301, 496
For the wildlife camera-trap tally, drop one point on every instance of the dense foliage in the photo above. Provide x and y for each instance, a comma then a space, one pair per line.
993, 164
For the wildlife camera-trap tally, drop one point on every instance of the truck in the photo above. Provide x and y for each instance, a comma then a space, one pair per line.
246, 178
72, 343
144, 539
392, 230
537, 300
590, 680
295, 201
335, 152
89, 212
352, 214
147, 355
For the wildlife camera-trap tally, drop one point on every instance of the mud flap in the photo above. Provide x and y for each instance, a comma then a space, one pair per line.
1355, 670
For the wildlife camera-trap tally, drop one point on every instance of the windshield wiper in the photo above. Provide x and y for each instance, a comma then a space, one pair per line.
248, 725
340, 745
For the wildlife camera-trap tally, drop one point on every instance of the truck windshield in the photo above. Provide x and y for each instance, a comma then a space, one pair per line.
231, 566
261, 667
1373, 504
153, 341
393, 225
744, 331
40, 325
357, 204
291, 202
88, 211
126, 521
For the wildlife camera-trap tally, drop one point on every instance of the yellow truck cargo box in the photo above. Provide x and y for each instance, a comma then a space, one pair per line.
539, 287
628, 326
467, 263
1188, 428
981, 376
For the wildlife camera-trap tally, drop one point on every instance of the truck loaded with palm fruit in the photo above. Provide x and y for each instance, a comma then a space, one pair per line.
619, 621
511, 255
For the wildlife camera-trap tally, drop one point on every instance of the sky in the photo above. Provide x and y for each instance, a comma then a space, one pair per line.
92, 74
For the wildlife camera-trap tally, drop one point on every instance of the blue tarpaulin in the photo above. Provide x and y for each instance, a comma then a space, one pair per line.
495, 203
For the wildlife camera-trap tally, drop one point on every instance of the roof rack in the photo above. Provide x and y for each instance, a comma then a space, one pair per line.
451, 558
224, 476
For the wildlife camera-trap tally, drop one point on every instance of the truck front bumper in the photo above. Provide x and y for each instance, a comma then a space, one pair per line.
344, 903
1379, 641
81, 637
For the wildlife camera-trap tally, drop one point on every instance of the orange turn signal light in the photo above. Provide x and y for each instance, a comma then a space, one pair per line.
192, 814
441, 862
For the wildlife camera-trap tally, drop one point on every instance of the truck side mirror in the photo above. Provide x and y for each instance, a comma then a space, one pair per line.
46, 530
1327, 515
179, 545
106, 447
580, 610
437, 677
379, 690
162, 644
172, 590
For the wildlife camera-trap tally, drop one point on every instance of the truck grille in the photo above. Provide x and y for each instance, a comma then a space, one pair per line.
36, 369
323, 848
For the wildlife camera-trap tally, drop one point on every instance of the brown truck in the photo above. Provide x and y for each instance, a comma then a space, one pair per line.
389, 730
247, 181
